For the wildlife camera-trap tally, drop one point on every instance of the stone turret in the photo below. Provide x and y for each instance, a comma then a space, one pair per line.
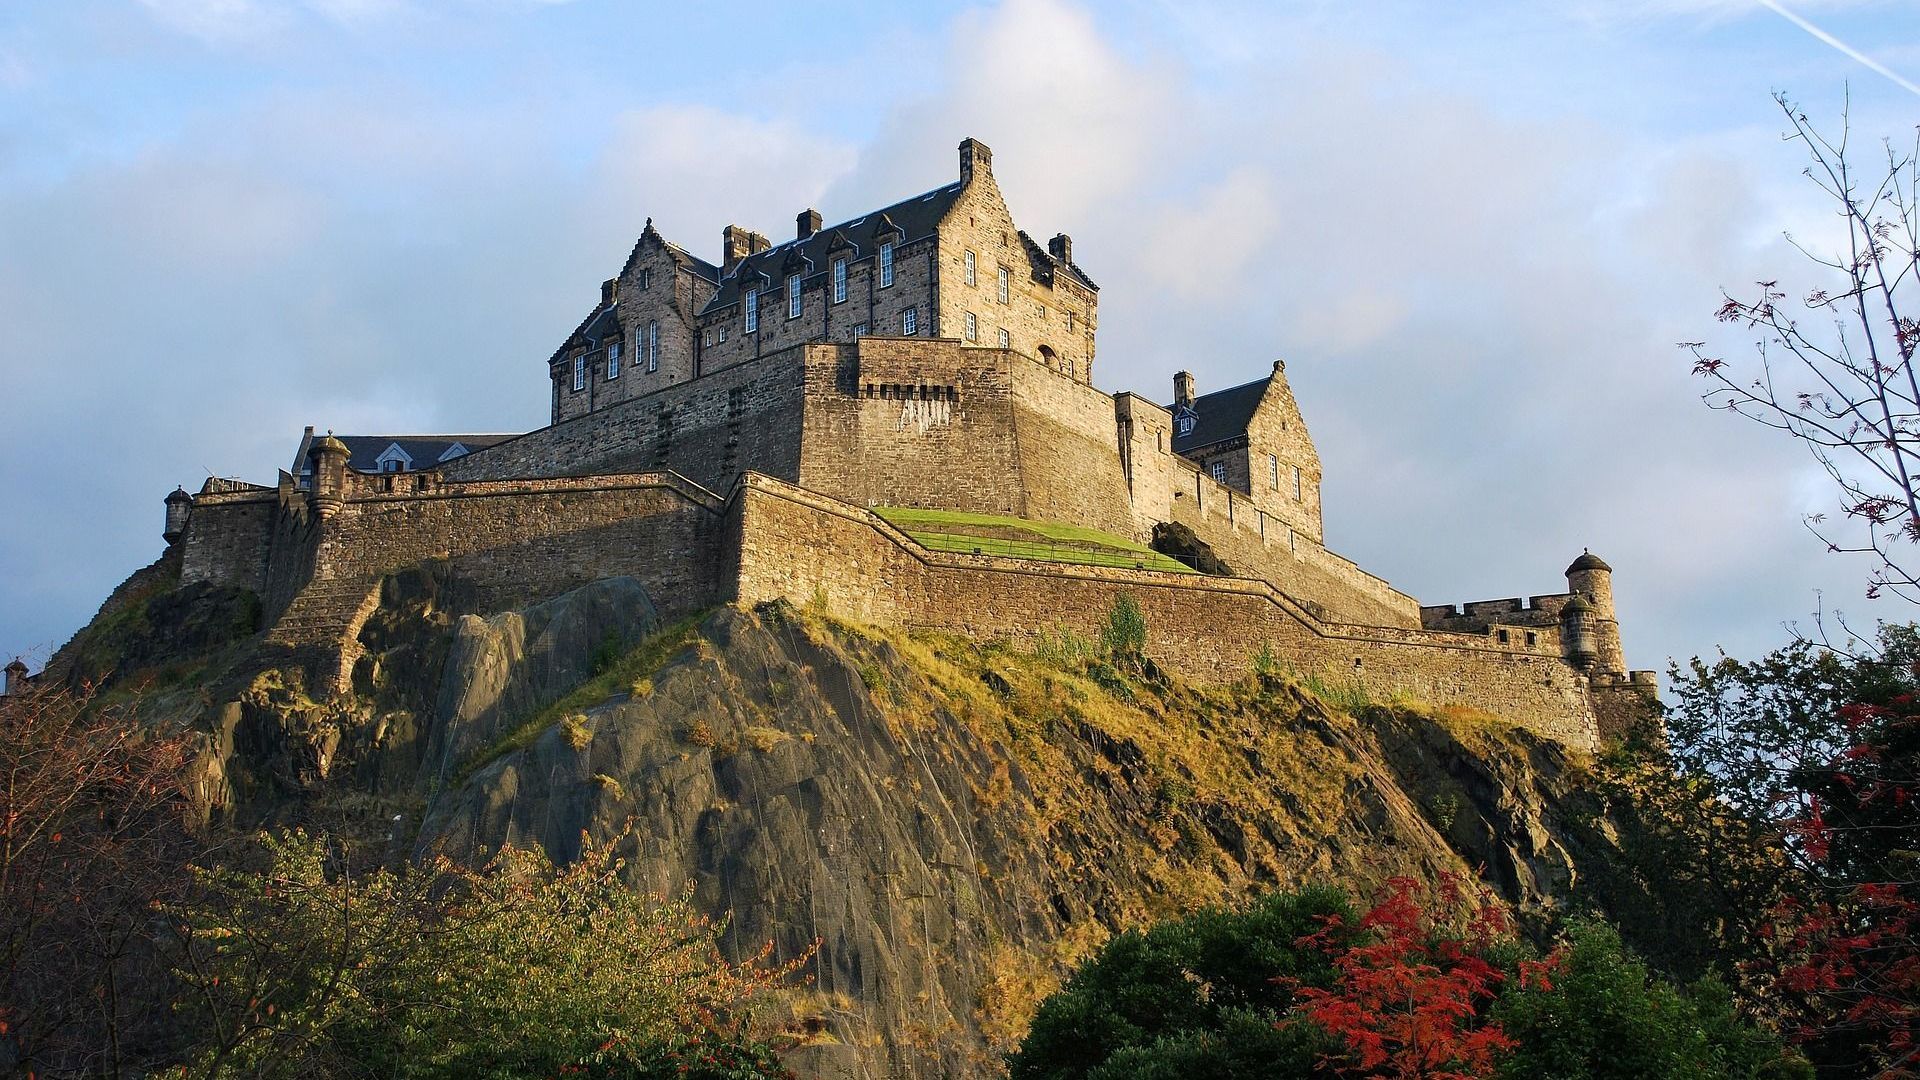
1576, 632
1592, 578
179, 508
16, 682
329, 457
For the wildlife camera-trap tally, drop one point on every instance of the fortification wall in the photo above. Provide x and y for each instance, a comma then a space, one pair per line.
903, 422
708, 430
519, 541
1069, 446
228, 536
796, 545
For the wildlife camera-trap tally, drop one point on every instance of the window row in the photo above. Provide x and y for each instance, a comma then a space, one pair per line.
1003, 281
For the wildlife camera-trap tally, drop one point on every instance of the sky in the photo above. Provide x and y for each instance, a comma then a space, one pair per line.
1474, 232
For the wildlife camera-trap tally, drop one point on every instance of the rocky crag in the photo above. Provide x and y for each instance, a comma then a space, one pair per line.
948, 824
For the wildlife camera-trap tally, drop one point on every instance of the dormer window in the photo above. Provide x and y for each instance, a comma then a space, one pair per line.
394, 460
1001, 284
653, 347
886, 264
613, 360
580, 372
970, 268
839, 281
753, 310
1183, 424
793, 297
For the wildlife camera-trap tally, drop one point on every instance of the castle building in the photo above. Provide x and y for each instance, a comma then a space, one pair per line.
768, 425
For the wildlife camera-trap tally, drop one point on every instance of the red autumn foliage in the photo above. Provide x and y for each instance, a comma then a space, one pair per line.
1410, 987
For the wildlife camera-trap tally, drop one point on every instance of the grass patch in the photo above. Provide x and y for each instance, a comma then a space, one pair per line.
622, 673
1042, 541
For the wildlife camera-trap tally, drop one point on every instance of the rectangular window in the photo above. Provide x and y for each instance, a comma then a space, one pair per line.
909, 322
793, 297
653, 346
723, 335
1069, 322
1073, 368
886, 264
753, 310
646, 277
1273, 472
1291, 545
580, 372
613, 360
1218, 470
1001, 284
969, 262
973, 327
859, 329
839, 281
1006, 339
707, 337
1296, 482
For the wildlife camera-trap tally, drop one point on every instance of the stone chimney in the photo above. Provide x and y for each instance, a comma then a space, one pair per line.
16, 678
1183, 388
1061, 248
975, 157
610, 290
806, 223
738, 242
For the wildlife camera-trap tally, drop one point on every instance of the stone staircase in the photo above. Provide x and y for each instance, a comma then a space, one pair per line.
325, 619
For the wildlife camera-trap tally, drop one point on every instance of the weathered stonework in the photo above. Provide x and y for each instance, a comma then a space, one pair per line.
720, 464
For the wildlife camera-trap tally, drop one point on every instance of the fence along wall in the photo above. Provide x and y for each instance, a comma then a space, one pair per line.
792, 544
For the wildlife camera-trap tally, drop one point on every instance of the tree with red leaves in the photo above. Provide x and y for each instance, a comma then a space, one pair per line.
1411, 990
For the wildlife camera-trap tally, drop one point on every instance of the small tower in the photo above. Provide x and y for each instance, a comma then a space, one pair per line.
329, 457
16, 678
179, 508
1576, 632
1591, 577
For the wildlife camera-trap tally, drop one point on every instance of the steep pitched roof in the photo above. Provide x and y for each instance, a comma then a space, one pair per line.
680, 255
911, 219
423, 451
1222, 415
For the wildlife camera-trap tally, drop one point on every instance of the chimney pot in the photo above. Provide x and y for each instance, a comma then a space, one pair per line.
807, 223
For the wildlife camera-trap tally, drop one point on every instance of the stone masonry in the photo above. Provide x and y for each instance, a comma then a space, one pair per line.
721, 431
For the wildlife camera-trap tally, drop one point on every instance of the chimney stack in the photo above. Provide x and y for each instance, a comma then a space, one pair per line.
974, 157
806, 222
610, 290
736, 243
1183, 388
16, 678
1061, 248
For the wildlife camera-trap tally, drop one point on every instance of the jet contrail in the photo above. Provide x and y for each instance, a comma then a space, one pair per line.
1862, 58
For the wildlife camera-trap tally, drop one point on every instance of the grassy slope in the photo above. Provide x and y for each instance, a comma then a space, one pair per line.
949, 530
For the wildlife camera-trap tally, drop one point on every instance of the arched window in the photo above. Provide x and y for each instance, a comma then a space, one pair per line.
1047, 357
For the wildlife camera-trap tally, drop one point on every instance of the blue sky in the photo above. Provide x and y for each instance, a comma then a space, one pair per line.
1473, 231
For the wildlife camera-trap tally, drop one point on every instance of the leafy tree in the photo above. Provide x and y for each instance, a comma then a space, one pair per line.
1186, 997
309, 966
1409, 990
95, 824
1593, 1012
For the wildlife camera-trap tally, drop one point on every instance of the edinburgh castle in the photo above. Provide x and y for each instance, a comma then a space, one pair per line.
894, 416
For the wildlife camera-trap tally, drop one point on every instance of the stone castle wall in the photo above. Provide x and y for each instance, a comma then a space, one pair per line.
796, 545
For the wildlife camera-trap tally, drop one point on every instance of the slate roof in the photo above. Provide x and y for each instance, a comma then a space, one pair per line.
364, 450
1222, 415
910, 219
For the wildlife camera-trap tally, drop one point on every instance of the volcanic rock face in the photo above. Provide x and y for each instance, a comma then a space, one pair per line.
947, 824
954, 824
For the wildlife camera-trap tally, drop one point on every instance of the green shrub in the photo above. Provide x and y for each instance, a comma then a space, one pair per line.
1124, 637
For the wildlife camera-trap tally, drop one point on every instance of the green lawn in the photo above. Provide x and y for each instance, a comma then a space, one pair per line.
1052, 541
